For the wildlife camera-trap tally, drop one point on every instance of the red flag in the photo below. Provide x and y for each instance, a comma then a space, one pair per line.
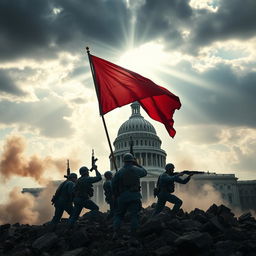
117, 86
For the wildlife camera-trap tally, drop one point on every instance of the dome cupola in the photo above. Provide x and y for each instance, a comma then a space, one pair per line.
136, 122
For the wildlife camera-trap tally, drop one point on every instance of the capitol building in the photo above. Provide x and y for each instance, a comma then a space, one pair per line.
148, 152
146, 147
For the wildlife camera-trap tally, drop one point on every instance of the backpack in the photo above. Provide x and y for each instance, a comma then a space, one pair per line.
57, 193
130, 181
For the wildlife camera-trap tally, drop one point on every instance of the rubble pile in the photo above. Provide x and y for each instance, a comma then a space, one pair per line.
213, 232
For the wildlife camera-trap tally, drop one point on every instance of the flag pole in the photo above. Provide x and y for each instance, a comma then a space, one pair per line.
102, 116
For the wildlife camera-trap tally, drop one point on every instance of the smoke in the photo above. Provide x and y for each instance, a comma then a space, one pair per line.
18, 208
14, 162
42, 204
27, 209
195, 197
202, 198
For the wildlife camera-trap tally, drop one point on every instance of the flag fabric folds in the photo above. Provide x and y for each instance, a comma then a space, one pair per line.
117, 86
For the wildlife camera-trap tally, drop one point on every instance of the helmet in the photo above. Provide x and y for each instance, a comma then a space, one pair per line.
128, 157
83, 170
72, 176
108, 174
169, 166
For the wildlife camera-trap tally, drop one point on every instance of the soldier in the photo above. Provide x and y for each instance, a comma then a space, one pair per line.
108, 192
83, 191
126, 188
62, 200
165, 187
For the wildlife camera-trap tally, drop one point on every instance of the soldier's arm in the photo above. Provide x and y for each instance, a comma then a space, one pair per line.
142, 172
181, 181
97, 177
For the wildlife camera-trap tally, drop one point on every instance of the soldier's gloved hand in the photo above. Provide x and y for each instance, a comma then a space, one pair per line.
94, 167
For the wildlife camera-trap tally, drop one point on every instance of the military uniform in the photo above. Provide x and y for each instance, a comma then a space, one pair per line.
82, 193
62, 200
128, 193
166, 187
109, 196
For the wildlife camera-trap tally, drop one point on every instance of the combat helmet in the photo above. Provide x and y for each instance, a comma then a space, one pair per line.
72, 176
128, 157
108, 174
169, 166
83, 170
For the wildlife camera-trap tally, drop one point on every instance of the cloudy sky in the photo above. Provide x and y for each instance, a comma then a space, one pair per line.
203, 51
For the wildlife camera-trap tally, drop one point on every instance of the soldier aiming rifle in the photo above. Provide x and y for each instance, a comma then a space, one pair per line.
165, 188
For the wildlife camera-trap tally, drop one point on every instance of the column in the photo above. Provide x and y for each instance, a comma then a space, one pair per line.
148, 191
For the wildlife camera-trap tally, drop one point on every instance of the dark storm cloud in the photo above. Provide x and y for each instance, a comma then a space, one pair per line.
44, 115
163, 19
234, 19
230, 100
167, 19
7, 85
40, 28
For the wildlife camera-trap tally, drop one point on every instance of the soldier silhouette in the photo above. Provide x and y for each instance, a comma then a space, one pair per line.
165, 188
83, 191
108, 192
62, 200
126, 189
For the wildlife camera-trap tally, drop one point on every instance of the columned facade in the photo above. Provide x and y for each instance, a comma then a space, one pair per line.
146, 143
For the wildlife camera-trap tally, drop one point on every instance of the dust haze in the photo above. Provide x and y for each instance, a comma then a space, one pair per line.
14, 162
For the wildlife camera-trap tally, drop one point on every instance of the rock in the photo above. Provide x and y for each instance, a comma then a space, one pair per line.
79, 238
245, 216
194, 242
165, 251
169, 236
212, 211
154, 225
215, 232
75, 252
45, 242
224, 248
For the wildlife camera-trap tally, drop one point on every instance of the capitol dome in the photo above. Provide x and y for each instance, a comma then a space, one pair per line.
142, 135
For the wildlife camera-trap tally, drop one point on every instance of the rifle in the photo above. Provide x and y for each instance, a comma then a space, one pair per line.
192, 172
188, 172
93, 160
131, 145
68, 169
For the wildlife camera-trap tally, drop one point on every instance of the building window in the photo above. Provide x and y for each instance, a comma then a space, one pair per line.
229, 187
149, 159
230, 199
